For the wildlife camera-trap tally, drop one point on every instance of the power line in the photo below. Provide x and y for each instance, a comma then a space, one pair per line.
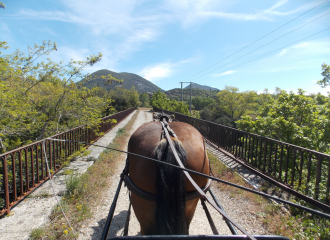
265, 44
258, 39
276, 50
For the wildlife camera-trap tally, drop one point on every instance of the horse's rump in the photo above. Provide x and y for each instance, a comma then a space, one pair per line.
170, 214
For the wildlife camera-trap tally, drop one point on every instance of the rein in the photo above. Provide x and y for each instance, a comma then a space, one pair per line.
199, 190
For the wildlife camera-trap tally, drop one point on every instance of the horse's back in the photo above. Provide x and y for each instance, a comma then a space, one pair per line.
144, 141
168, 186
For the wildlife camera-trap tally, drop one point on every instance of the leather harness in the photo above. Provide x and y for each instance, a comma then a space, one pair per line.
152, 197
167, 131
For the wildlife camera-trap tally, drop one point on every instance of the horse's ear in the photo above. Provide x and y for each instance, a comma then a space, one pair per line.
162, 117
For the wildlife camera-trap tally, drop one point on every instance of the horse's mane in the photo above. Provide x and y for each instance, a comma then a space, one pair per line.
170, 184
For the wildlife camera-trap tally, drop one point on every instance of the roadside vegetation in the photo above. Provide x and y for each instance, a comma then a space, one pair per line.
276, 218
83, 192
39, 98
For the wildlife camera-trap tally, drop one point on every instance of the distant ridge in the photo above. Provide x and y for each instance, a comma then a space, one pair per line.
204, 87
130, 79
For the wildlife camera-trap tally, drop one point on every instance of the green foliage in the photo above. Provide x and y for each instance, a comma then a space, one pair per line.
301, 120
214, 113
124, 99
159, 100
144, 99
200, 103
293, 118
236, 103
326, 76
39, 99
37, 233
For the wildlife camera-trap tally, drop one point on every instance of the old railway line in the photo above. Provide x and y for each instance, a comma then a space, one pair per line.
240, 152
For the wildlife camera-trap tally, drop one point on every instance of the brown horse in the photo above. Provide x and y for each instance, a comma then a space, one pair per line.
170, 213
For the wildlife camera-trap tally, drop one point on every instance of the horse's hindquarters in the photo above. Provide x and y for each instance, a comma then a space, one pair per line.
144, 175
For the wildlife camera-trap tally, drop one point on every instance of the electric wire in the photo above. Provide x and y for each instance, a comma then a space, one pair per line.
256, 40
206, 176
264, 45
272, 51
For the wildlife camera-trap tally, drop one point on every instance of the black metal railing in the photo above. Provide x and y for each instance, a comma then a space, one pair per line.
303, 172
24, 168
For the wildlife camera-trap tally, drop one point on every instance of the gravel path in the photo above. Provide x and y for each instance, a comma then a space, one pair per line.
92, 229
34, 211
241, 210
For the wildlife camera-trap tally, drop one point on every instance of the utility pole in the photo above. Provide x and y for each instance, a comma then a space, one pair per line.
181, 92
190, 97
190, 93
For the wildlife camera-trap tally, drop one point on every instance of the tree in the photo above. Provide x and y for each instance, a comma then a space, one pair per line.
326, 76
144, 99
39, 99
293, 118
159, 100
200, 103
123, 98
214, 113
234, 103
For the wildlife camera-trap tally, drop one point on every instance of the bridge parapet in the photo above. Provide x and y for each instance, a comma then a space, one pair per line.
23, 169
302, 172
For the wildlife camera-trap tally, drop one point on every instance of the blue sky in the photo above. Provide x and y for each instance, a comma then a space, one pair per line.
176, 40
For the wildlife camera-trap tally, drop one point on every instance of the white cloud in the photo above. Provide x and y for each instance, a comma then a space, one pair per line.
152, 73
192, 12
162, 70
224, 73
118, 27
298, 48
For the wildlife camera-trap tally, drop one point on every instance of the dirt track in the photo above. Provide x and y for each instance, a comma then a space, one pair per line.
239, 209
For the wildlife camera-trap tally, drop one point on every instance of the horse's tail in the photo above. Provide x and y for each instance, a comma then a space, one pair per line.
170, 184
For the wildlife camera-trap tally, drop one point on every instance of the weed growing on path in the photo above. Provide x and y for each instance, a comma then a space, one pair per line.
292, 223
84, 192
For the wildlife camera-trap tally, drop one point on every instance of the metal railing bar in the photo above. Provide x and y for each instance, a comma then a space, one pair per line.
313, 202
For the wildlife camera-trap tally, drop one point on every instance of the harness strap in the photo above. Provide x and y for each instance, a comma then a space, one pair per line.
152, 197
203, 195
128, 217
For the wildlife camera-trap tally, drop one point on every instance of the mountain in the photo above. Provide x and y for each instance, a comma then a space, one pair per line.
129, 80
195, 85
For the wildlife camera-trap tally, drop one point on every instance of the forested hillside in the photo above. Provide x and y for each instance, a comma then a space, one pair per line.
130, 80
204, 87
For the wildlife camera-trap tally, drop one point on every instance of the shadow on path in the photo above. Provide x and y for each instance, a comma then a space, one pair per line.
116, 228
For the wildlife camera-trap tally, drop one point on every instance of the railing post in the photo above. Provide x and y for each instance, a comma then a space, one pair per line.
287, 163
265, 156
6, 184
293, 165
301, 166
27, 170
318, 175
32, 168
21, 173
281, 161
328, 182
37, 162
275, 160
14, 176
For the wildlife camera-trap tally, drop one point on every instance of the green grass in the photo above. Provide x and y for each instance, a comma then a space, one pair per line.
79, 198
